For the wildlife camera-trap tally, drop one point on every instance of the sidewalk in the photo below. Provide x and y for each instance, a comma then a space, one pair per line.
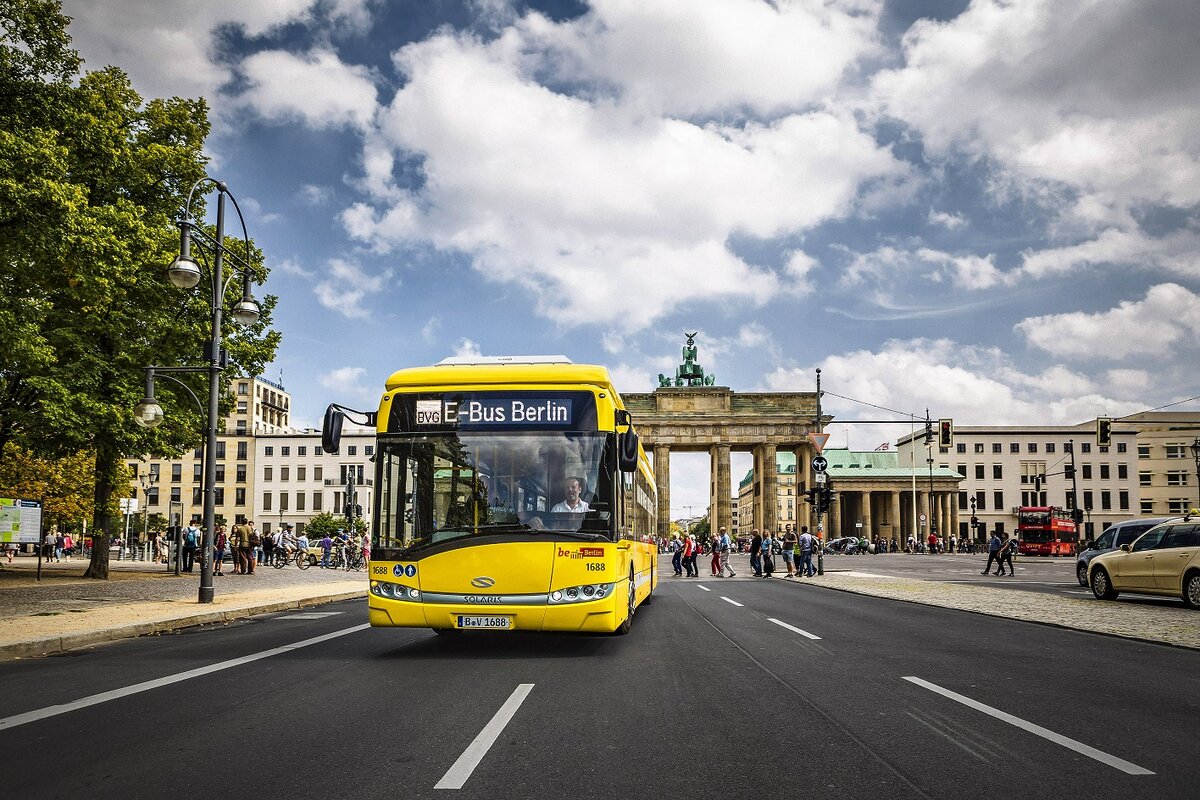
64, 611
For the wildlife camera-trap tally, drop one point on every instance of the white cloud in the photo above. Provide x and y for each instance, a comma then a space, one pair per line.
313, 195
430, 329
946, 220
290, 266
553, 191
317, 88
1168, 317
346, 286
350, 387
1178, 252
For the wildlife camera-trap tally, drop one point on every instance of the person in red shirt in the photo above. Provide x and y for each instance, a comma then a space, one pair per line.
689, 563
933, 543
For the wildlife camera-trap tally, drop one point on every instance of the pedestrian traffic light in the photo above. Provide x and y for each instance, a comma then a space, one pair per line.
1103, 432
349, 513
974, 521
357, 510
945, 432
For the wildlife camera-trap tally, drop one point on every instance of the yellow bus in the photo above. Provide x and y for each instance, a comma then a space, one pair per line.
511, 493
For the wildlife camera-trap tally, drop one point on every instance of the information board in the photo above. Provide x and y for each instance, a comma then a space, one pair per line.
20, 521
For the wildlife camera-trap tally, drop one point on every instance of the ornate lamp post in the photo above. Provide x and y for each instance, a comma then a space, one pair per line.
185, 274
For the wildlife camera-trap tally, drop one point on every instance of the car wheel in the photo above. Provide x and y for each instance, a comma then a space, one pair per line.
1102, 585
1081, 574
1191, 589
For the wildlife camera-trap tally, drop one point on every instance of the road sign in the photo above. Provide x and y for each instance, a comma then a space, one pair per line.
820, 463
923, 518
820, 478
819, 440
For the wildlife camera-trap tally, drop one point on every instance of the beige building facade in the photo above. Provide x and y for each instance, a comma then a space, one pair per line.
294, 479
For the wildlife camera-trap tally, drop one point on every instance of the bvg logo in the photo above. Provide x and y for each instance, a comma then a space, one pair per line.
483, 582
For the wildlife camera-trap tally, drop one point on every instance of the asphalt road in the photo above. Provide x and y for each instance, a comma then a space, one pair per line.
721, 690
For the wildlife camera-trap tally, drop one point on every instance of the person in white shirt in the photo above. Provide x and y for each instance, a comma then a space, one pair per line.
574, 504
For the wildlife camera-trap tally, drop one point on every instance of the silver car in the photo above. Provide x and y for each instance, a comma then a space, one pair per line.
1115, 535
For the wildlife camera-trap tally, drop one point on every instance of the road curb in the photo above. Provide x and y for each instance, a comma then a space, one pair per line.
60, 644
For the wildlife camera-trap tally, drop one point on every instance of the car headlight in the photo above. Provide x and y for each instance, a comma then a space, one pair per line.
575, 594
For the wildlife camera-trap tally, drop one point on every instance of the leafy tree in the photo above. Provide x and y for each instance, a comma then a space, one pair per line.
91, 177
64, 484
326, 523
701, 529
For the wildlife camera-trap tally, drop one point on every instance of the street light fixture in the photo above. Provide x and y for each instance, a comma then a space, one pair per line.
185, 273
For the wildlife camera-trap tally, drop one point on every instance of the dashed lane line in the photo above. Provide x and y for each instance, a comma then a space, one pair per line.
793, 629
732, 602
145, 686
705, 588
461, 770
1037, 730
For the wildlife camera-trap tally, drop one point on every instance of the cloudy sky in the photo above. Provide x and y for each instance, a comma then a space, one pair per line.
989, 208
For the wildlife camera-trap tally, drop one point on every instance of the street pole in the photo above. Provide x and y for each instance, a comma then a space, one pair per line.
817, 494
1075, 514
1195, 447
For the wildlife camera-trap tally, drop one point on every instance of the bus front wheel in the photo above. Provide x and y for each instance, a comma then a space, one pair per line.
631, 602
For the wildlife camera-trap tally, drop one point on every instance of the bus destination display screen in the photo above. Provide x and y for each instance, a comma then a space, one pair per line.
561, 411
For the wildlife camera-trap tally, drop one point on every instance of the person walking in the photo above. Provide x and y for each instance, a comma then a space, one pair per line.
723, 545
993, 554
326, 547
756, 561
715, 548
805, 543
219, 544
191, 540
768, 553
677, 555
68, 545
1007, 551
789, 550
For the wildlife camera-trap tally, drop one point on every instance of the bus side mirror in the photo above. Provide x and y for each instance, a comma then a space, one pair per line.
627, 451
331, 429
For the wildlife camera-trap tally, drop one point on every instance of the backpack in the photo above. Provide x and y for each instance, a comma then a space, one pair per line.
190, 539
255, 539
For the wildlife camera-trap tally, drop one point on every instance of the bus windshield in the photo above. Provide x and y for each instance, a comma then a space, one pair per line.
443, 486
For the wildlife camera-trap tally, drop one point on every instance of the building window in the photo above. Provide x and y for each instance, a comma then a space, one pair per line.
268, 473
219, 496
241, 451
316, 474
979, 447
1103, 449
962, 501
198, 453
197, 497
981, 500
1144, 479
1106, 500
197, 471
220, 473
241, 407
1104, 472
1033, 447
300, 472
176, 473
316, 505
302, 450
1049, 447
283, 501
284, 473
1177, 478
152, 496
996, 448
1147, 506
1176, 451
1123, 472
1123, 499
175, 495
369, 449
1087, 500
352, 450
285, 451
268, 451
962, 470
239, 496
1086, 447
1178, 505
998, 471
299, 501
1067, 447
1143, 451
266, 501
220, 450
1014, 447
960, 447
1087, 472
979, 472
241, 473
1122, 447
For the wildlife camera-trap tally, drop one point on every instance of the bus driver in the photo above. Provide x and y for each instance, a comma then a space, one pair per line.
574, 504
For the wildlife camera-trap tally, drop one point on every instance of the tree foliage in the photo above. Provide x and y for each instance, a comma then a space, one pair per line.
326, 523
64, 484
91, 180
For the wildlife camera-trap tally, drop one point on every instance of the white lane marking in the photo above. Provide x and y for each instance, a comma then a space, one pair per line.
732, 602
705, 588
461, 770
145, 686
1037, 730
311, 615
793, 629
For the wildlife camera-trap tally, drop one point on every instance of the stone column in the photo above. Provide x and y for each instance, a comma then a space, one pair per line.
955, 520
720, 503
662, 477
868, 531
834, 526
770, 490
897, 523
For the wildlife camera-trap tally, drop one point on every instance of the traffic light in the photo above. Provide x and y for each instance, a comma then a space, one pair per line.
974, 521
1103, 431
945, 432
357, 510
1077, 516
1037, 482
349, 513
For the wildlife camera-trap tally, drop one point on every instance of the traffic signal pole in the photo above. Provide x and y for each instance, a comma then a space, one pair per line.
818, 495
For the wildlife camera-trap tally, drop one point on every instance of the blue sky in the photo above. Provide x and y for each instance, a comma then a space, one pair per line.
990, 208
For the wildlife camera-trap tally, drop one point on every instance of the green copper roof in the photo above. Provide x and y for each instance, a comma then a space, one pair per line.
845, 463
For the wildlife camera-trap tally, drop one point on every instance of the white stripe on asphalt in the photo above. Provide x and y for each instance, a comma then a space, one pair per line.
458, 774
792, 628
732, 602
311, 615
1037, 730
145, 686
705, 588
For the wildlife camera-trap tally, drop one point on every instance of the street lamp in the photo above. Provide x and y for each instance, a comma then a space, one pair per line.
147, 481
1195, 448
185, 273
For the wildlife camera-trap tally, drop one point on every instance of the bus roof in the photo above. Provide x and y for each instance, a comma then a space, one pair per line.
477, 373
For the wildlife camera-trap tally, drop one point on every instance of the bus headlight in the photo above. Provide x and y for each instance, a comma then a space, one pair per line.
394, 591
576, 594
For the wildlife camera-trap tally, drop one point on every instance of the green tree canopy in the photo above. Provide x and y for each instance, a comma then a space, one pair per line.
327, 523
91, 180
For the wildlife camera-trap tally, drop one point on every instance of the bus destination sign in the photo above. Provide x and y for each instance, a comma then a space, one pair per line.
492, 410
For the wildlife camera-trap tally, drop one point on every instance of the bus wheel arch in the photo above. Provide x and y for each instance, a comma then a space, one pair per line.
631, 606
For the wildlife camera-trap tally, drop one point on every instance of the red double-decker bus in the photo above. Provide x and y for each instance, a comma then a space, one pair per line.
1045, 531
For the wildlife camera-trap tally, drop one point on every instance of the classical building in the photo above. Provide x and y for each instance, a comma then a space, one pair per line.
294, 479
260, 407
790, 504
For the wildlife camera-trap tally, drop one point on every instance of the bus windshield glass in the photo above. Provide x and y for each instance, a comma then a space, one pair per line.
443, 486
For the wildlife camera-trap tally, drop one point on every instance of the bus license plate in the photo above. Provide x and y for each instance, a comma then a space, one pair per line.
491, 623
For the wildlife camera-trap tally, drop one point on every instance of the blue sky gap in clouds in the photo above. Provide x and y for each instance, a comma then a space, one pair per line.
991, 209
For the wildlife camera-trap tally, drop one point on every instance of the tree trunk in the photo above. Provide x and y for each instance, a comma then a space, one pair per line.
105, 472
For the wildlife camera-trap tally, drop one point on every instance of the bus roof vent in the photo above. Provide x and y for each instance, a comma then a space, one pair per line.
461, 361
